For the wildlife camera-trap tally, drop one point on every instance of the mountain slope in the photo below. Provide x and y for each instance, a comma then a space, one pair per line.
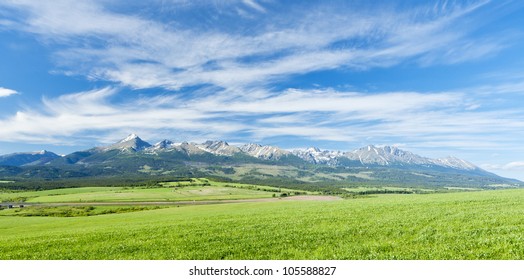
31, 158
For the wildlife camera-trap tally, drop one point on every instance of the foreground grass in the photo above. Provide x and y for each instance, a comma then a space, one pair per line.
472, 225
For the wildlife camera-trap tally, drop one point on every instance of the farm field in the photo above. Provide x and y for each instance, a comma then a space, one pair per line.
462, 225
365, 189
197, 189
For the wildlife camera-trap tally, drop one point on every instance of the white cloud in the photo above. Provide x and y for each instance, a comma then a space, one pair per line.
144, 53
5, 92
254, 5
7, 23
514, 169
367, 106
429, 119
515, 165
68, 18
512, 166
85, 112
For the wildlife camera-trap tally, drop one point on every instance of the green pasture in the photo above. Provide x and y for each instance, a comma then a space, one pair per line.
74, 211
155, 194
197, 189
207, 182
363, 189
462, 225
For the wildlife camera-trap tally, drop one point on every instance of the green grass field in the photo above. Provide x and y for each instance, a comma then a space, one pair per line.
465, 225
391, 189
198, 189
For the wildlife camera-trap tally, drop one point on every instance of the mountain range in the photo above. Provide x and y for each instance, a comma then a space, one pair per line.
132, 156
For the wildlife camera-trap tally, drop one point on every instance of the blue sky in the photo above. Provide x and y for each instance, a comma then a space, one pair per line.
436, 78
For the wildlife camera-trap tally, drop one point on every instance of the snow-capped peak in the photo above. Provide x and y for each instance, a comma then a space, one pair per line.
164, 143
367, 155
454, 162
313, 150
218, 148
265, 152
318, 156
385, 155
130, 137
131, 142
42, 152
250, 147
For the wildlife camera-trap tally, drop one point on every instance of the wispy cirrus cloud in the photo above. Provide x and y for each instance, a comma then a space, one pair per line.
409, 117
90, 115
515, 165
141, 52
254, 5
5, 92
512, 169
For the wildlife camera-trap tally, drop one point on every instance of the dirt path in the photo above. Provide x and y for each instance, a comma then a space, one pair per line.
192, 202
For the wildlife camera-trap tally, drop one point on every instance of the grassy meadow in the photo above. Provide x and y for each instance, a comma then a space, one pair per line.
461, 225
197, 190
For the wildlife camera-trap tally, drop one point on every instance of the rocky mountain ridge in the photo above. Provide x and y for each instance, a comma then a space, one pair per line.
133, 156
369, 155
